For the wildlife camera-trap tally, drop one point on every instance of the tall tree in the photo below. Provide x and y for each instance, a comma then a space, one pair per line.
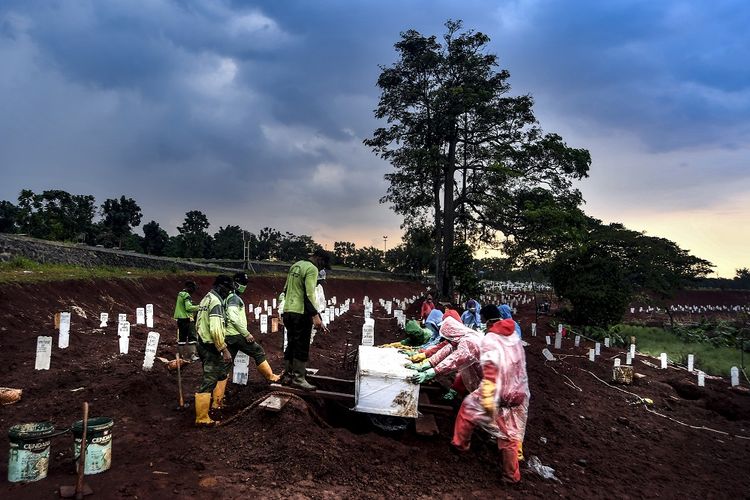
344, 251
195, 238
56, 215
8, 217
462, 148
119, 216
155, 239
228, 243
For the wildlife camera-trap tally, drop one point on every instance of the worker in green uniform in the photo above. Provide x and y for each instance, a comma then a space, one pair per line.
212, 348
300, 314
238, 338
184, 311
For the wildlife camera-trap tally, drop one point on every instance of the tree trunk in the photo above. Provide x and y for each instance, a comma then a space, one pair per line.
437, 235
449, 216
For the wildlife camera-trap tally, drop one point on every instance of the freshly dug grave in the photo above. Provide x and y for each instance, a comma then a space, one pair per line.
599, 443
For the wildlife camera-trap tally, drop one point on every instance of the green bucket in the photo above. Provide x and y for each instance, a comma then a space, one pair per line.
98, 444
29, 451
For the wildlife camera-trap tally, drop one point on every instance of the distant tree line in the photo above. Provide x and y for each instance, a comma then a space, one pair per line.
60, 216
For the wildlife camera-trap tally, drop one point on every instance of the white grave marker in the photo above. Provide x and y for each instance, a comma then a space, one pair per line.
628, 359
152, 342
617, 361
735, 376
273, 303
43, 353
263, 323
558, 340
368, 333
577, 340
548, 355
256, 313
632, 351
533, 329
241, 364
63, 340
691, 362
547, 339
250, 308
598, 348
606, 341
701, 379
559, 328
123, 332
103, 318
265, 303
663, 358
149, 315
592, 354
140, 316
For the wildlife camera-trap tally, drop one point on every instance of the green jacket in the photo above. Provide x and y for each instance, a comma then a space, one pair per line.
184, 307
236, 317
210, 323
300, 284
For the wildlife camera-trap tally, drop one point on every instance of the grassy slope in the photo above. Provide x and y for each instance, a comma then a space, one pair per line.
712, 360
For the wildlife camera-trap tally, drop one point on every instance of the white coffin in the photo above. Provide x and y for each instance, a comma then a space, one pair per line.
383, 386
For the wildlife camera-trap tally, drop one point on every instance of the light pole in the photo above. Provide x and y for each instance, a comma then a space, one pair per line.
385, 241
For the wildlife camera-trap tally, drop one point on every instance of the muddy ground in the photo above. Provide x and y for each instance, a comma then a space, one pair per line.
599, 442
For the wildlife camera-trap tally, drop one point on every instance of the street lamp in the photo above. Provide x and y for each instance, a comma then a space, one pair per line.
385, 241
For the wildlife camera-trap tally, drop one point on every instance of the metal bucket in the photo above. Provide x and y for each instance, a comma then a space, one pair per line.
98, 444
29, 451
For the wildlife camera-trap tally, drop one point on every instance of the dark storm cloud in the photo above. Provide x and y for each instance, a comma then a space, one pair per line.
254, 112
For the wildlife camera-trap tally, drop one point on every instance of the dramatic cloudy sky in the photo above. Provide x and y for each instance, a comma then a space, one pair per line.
254, 112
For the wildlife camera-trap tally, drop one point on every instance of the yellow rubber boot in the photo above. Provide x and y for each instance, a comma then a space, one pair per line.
202, 403
265, 369
221, 387
520, 451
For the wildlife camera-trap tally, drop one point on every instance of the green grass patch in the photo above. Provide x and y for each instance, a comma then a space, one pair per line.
654, 341
23, 270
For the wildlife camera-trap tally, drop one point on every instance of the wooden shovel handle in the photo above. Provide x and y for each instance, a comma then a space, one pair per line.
82, 457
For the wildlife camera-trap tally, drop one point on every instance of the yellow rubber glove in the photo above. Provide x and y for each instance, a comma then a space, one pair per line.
488, 396
420, 356
393, 344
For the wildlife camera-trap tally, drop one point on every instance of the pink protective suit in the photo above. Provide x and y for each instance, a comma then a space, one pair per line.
460, 354
504, 366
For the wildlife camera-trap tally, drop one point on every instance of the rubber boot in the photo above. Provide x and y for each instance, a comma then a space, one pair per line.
191, 352
221, 387
202, 403
265, 369
299, 373
509, 454
520, 451
286, 375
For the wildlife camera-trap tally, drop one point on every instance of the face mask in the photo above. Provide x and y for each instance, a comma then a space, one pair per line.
473, 309
241, 288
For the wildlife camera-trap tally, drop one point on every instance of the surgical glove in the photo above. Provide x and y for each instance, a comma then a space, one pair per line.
424, 376
420, 356
393, 344
488, 396
408, 352
450, 395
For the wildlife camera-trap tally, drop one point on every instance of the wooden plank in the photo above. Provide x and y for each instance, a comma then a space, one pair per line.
335, 396
427, 426
274, 403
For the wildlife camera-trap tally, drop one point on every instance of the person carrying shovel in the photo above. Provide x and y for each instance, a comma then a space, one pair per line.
212, 348
183, 313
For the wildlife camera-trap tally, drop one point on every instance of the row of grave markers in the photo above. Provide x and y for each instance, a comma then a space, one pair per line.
629, 355
692, 309
144, 316
368, 328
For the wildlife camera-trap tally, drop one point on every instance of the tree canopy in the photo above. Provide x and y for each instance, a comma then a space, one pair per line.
463, 150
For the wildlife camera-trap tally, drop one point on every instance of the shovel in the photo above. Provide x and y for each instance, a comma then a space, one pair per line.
179, 383
80, 489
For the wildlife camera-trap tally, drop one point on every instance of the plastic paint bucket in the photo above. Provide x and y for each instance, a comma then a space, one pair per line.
98, 444
29, 451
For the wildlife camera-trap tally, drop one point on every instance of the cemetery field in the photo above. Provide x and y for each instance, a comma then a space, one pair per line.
602, 442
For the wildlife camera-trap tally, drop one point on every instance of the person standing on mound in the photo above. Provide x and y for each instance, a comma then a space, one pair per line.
300, 314
212, 348
238, 338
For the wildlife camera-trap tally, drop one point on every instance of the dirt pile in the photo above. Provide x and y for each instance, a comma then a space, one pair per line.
601, 441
